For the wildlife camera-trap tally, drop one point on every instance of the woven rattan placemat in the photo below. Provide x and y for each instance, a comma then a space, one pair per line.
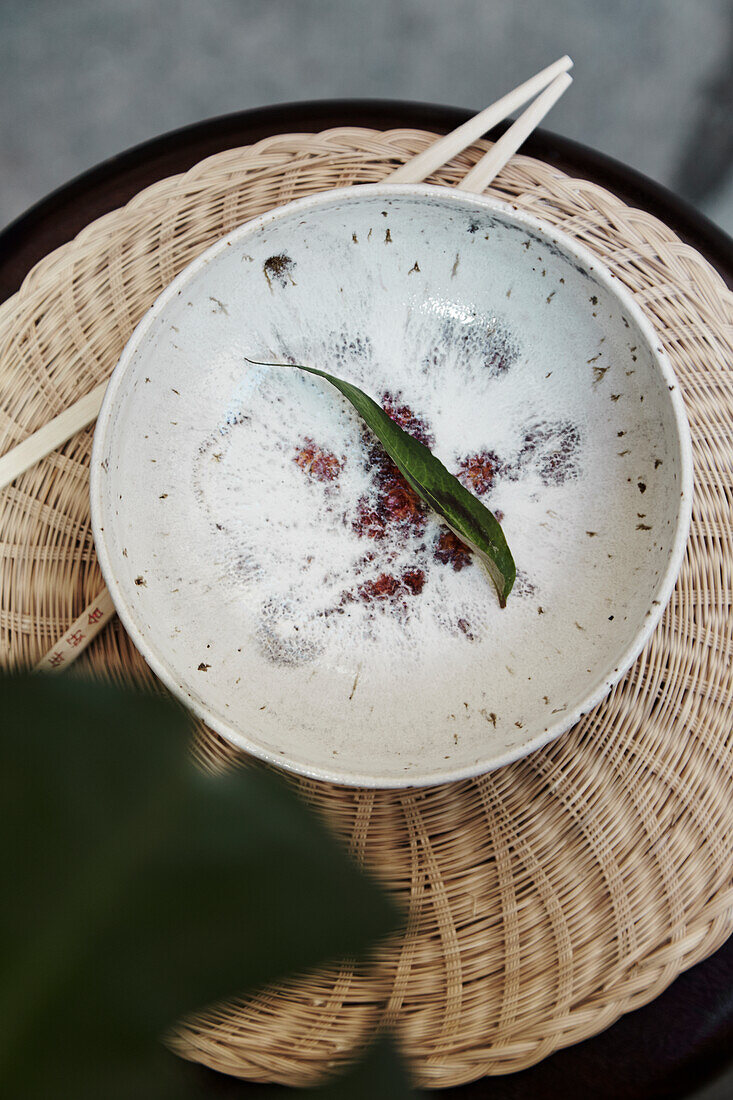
546, 898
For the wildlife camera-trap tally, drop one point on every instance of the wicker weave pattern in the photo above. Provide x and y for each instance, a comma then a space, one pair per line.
549, 897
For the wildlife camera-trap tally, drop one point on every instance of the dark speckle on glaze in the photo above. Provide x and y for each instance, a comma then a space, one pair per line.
481, 224
279, 270
554, 250
523, 586
341, 349
488, 340
280, 640
552, 449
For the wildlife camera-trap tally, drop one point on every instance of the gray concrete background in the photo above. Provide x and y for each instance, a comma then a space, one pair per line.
81, 80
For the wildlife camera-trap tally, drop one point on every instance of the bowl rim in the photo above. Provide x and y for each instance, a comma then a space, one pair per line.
665, 584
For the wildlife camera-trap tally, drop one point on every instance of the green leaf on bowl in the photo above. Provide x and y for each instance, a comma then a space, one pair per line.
469, 519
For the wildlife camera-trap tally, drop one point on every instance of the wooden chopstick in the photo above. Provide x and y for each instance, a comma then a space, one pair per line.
92, 619
424, 164
51, 435
554, 80
488, 168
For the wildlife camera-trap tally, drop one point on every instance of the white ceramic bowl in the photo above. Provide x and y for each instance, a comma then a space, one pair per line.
266, 565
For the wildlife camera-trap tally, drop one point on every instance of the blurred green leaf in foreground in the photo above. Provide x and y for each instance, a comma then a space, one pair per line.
138, 889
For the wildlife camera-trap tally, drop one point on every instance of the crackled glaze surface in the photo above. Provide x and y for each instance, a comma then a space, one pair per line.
271, 563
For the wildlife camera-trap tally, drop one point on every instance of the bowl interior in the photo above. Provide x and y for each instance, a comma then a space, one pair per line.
274, 572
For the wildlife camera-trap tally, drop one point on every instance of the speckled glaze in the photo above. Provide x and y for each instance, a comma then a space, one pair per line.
270, 566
